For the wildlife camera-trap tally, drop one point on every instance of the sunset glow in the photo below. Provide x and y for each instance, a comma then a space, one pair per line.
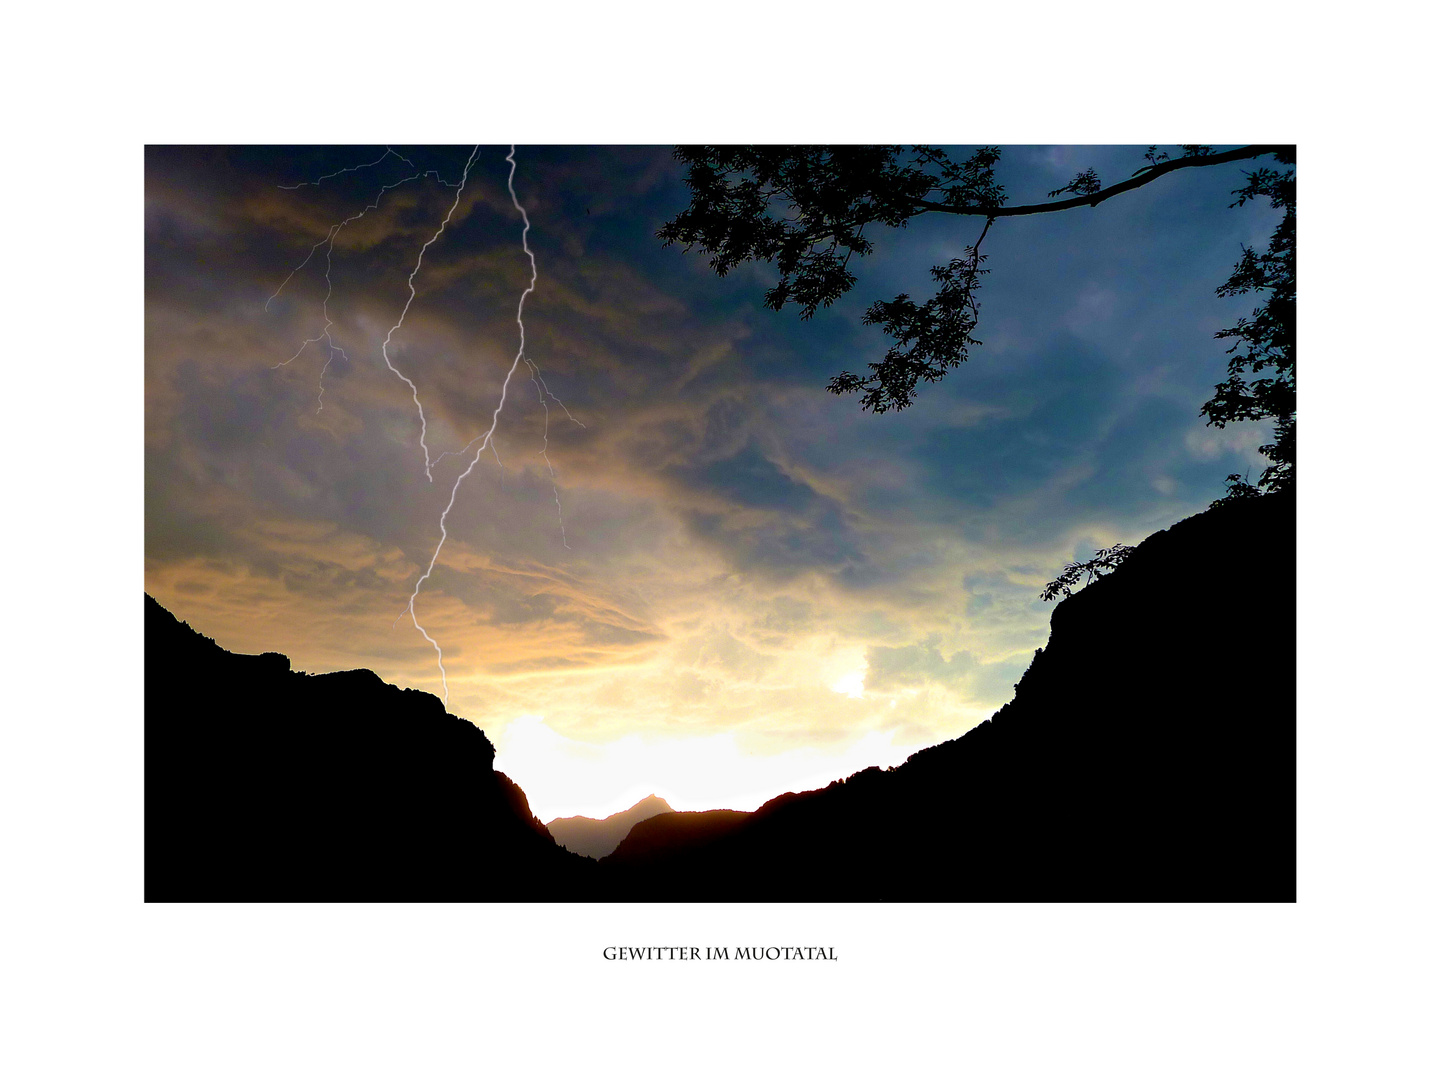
563, 777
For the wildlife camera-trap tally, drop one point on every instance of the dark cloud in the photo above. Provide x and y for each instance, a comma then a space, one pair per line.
748, 479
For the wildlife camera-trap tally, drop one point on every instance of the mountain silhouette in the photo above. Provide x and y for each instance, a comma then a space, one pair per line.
265, 784
1148, 755
689, 831
598, 838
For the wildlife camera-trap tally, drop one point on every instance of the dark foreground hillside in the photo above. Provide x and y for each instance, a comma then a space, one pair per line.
656, 839
263, 784
1149, 754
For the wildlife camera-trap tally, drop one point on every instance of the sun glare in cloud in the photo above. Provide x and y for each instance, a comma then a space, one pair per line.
851, 685
845, 672
563, 776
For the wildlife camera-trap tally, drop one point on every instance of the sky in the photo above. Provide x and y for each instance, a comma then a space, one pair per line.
682, 566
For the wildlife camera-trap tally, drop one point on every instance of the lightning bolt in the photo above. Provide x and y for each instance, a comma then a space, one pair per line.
410, 281
544, 392
328, 243
320, 397
480, 443
338, 172
484, 440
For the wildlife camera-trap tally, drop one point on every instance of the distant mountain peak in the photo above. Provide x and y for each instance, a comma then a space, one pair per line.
599, 837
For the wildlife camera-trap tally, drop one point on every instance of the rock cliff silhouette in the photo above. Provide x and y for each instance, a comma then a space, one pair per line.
1148, 755
264, 784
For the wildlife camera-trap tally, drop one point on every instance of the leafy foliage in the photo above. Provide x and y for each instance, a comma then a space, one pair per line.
1086, 183
1189, 150
806, 209
1261, 383
1105, 560
931, 338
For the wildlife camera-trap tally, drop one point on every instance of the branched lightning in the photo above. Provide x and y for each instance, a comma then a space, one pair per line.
544, 391
328, 243
338, 172
320, 397
477, 447
410, 281
486, 439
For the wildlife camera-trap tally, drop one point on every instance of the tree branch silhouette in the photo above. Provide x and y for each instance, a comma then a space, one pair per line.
799, 207
1147, 175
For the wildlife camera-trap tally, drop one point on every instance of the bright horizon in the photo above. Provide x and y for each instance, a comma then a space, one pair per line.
564, 777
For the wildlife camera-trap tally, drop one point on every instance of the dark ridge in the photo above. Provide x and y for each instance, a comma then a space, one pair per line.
655, 838
598, 838
264, 784
1148, 755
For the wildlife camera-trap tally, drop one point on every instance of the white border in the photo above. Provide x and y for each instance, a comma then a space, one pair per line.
1328, 987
